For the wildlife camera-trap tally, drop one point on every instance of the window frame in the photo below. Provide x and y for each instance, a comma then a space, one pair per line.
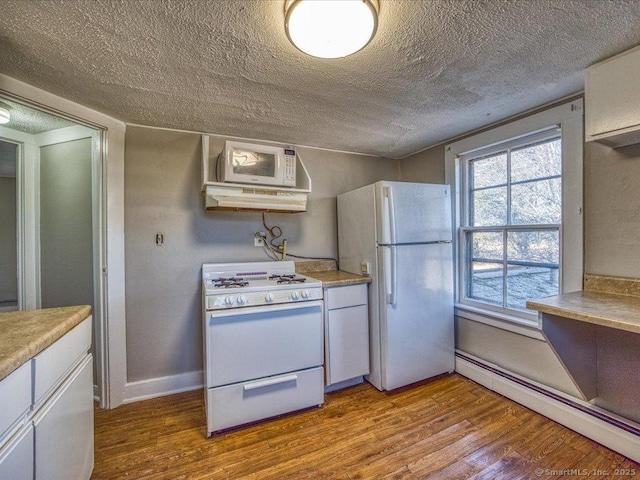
465, 228
565, 118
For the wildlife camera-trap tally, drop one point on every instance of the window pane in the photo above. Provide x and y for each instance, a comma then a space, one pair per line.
484, 275
527, 283
486, 245
488, 207
532, 266
488, 171
485, 282
537, 246
536, 161
536, 202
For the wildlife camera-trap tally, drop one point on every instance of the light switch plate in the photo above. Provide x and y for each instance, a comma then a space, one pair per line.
365, 268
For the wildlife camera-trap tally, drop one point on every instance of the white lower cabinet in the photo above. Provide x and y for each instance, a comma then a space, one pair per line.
64, 428
46, 412
346, 334
16, 457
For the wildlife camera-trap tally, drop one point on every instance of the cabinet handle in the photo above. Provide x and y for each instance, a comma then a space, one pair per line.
271, 381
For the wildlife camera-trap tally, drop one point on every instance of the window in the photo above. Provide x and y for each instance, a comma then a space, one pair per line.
511, 233
518, 191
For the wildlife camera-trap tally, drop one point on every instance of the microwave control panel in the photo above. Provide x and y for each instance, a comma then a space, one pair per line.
289, 167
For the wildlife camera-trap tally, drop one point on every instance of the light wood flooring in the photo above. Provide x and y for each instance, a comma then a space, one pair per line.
450, 428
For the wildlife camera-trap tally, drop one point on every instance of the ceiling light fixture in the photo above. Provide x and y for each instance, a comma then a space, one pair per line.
330, 28
5, 115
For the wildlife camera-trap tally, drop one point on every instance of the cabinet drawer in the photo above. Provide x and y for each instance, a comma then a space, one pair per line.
15, 397
51, 365
16, 458
340, 297
246, 402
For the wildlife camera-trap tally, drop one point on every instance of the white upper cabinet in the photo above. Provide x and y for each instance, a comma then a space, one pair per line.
612, 100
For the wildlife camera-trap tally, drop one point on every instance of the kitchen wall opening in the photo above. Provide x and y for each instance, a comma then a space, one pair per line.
50, 174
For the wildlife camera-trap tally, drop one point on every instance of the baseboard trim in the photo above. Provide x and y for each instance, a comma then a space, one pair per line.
162, 386
616, 433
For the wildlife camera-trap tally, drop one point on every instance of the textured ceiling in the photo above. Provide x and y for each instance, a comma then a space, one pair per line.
32, 121
436, 69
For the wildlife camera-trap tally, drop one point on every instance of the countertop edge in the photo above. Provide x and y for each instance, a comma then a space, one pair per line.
553, 306
338, 278
67, 319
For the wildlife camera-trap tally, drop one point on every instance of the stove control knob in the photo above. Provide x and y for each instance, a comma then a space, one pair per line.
242, 300
294, 295
228, 300
268, 298
304, 294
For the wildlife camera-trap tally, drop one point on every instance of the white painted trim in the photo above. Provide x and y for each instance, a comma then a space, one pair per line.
160, 387
98, 227
598, 430
258, 140
498, 123
570, 118
62, 135
28, 217
113, 323
497, 320
16, 136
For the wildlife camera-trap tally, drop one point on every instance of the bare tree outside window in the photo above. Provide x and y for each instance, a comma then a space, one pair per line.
512, 238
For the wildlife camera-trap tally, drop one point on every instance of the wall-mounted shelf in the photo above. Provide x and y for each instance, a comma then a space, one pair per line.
251, 197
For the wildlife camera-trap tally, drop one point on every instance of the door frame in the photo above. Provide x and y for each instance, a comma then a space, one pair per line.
111, 327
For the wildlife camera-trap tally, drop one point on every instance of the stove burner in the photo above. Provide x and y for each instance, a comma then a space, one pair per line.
287, 279
231, 282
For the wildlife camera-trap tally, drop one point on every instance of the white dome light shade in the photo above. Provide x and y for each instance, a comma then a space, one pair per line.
5, 116
331, 28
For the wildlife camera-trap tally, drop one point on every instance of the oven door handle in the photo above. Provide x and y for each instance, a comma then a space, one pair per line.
270, 382
278, 307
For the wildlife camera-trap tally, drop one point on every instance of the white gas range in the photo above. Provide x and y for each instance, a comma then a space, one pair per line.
235, 285
263, 342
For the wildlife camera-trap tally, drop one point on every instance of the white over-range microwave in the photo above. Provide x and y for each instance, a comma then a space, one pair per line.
257, 164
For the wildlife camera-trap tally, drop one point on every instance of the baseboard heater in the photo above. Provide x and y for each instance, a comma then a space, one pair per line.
553, 396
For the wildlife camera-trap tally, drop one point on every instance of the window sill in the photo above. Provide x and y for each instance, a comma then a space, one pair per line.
521, 326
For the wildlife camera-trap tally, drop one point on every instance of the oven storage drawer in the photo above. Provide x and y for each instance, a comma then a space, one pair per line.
248, 343
241, 403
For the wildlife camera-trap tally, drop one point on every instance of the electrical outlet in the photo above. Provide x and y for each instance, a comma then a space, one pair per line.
258, 239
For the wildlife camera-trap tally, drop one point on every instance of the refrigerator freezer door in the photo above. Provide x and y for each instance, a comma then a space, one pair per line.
416, 334
412, 212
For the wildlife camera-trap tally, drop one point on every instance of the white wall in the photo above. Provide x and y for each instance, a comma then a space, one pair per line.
612, 210
163, 195
66, 235
8, 244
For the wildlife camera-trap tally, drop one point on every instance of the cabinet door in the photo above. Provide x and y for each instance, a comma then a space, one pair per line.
348, 341
612, 96
64, 429
16, 458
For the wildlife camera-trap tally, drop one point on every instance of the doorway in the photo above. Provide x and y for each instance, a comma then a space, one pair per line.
56, 210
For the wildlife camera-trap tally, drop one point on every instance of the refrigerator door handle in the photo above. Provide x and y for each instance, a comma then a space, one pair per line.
388, 192
394, 276
390, 275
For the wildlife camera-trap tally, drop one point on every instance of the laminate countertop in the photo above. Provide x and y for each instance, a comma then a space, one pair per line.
25, 334
609, 310
338, 278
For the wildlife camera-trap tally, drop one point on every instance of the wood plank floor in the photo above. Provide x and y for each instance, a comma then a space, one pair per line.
450, 428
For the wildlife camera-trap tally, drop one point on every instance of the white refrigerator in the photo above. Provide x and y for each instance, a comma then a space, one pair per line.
401, 233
